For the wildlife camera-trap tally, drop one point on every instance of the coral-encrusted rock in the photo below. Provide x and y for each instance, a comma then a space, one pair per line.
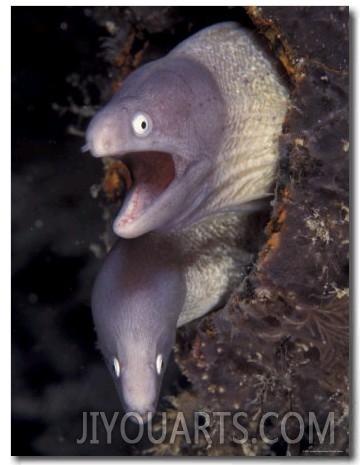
281, 343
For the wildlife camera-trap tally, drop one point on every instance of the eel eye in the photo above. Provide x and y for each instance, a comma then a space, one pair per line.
142, 124
116, 367
159, 363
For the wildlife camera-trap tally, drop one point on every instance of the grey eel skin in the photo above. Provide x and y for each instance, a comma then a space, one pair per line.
198, 130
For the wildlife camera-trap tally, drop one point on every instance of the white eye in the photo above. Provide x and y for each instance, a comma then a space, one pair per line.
116, 367
142, 124
159, 363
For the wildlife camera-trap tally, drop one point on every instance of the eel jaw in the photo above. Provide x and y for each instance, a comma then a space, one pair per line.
155, 176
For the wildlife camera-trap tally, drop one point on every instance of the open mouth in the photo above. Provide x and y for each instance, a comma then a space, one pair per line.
152, 173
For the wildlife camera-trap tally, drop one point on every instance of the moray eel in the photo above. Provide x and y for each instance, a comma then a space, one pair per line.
150, 285
198, 130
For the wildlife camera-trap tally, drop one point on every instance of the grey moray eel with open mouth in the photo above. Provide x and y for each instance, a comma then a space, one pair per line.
198, 130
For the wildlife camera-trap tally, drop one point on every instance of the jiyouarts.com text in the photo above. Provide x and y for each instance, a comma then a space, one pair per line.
202, 422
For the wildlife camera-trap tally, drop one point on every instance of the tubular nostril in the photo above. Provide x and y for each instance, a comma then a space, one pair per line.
85, 148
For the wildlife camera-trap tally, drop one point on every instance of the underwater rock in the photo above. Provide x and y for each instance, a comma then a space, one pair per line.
281, 344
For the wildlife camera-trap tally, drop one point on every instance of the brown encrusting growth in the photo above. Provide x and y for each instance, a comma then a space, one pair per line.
117, 180
282, 342
124, 60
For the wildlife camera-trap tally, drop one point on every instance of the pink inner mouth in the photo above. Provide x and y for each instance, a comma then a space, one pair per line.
152, 173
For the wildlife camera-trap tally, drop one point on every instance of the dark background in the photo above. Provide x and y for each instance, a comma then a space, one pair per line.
57, 373
54, 223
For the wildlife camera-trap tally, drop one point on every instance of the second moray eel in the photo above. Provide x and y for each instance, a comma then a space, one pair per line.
149, 286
